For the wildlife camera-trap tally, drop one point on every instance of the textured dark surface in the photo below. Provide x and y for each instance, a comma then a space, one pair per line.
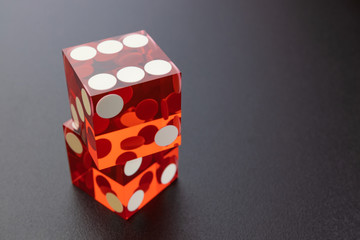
271, 119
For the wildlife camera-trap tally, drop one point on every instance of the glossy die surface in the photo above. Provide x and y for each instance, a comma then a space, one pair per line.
128, 165
112, 148
125, 200
124, 188
80, 161
120, 82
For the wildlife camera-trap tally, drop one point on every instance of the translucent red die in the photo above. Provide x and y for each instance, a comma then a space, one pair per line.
117, 76
126, 187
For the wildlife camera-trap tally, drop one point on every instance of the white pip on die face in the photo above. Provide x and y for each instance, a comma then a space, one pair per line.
116, 76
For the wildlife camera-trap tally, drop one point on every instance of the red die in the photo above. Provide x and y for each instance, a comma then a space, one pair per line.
126, 187
120, 82
125, 200
125, 102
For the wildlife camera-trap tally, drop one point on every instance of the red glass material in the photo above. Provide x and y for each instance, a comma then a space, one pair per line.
126, 187
125, 102
80, 161
142, 139
120, 82
127, 165
125, 200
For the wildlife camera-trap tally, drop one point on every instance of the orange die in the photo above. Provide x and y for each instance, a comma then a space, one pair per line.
126, 187
125, 200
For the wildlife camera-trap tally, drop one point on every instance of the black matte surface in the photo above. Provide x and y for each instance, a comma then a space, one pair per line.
271, 119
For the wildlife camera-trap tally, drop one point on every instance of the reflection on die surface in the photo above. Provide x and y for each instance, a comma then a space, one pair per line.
125, 102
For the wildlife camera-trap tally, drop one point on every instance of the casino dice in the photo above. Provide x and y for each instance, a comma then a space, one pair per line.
123, 188
125, 102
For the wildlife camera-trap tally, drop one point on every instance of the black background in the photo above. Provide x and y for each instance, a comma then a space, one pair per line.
271, 119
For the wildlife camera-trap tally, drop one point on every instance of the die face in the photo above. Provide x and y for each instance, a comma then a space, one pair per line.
80, 103
126, 200
137, 104
80, 161
140, 140
121, 82
149, 62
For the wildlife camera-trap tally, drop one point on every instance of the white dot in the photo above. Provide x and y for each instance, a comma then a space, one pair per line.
166, 135
74, 142
168, 174
135, 41
102, 81
132, 166
74, 126
109, 47
86, 101
157, 67
136, 200
130, 74
80, 109
74, 116
83, 53
114, 202
109, 106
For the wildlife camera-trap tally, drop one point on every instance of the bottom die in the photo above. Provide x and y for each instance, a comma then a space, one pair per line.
125, 200
124, 188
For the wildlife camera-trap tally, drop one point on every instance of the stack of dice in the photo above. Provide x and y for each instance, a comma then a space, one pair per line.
125, 101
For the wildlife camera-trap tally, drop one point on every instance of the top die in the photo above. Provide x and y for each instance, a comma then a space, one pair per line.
120, 82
